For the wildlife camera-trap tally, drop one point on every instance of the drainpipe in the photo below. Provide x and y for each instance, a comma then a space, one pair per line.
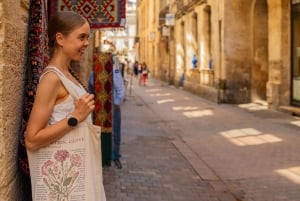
169, 45
220, 84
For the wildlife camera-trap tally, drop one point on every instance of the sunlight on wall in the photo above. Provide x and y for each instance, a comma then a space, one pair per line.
253, 106
249, 136
161, 94
189, 37
202, 54
292, 174
190, 53
179, 56
190, 50
165, 101
198, 113
179, 62
179, 48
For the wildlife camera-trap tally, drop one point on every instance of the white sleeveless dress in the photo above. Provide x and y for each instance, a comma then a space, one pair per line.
64, 108
69, 169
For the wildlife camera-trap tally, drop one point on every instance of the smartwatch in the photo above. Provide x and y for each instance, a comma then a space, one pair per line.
72, 121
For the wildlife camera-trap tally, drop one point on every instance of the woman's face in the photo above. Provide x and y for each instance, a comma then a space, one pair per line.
75, 43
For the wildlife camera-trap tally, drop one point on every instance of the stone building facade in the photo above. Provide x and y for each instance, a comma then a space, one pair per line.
255, 47
147, 33
244, 50
13, 35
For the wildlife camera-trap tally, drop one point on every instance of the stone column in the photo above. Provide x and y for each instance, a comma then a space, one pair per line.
275, 60
205, 37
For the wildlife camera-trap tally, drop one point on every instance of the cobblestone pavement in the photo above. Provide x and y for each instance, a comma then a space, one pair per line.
153, 169
178, 146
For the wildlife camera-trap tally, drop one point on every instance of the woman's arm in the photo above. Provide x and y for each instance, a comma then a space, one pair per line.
50, 90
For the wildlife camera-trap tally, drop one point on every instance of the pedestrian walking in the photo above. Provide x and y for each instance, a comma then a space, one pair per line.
62, 144
140, 71
129, 68
194, 61
136, 68
144, 75
118, 98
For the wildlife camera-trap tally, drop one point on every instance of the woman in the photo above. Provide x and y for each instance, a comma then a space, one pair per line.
144, 73
57, 112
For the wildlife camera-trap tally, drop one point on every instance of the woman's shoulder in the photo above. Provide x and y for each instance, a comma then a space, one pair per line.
51, 72
50, 84
49, 77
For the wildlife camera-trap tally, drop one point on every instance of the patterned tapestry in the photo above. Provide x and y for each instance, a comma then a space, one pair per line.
37, 58
103, 91
99, 13
103, 102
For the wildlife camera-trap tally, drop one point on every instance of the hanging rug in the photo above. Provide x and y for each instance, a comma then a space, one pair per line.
99, 13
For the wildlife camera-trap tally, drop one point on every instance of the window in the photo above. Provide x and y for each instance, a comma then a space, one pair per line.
295, 54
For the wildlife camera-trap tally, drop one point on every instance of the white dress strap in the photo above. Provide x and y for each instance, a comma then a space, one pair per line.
69, 85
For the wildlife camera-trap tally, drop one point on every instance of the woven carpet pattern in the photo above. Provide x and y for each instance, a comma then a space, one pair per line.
103, 91
37, 60
99, 13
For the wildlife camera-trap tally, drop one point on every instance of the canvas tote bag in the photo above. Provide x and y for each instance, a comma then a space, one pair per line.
69, 169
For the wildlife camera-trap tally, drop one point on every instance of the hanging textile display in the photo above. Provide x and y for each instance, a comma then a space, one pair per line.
37, 58
103, 101
99, 13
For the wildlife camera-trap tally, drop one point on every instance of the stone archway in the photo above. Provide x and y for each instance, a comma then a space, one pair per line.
259, 71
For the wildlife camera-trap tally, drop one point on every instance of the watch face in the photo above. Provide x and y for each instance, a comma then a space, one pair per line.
72, 121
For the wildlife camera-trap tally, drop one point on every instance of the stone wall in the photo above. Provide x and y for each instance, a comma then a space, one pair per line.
256, 51
196, 33
13, 34
247, 42
237, 52
285, 88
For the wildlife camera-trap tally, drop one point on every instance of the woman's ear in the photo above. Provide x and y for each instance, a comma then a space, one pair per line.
59, 38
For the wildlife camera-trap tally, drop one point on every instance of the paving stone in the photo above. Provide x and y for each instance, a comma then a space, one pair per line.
153, 169
169, 154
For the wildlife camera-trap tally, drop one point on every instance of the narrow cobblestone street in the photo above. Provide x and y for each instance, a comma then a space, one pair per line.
179, 147
153, 169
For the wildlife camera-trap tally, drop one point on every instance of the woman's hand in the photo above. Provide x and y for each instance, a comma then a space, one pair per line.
83, 106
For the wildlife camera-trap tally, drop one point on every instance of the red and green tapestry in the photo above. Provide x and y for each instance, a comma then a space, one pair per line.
103, 91
99, 13
103, 83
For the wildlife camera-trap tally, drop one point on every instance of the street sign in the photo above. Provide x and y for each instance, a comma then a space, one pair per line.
170, 19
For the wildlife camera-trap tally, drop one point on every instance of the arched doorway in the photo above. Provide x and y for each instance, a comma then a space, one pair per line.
259, 71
